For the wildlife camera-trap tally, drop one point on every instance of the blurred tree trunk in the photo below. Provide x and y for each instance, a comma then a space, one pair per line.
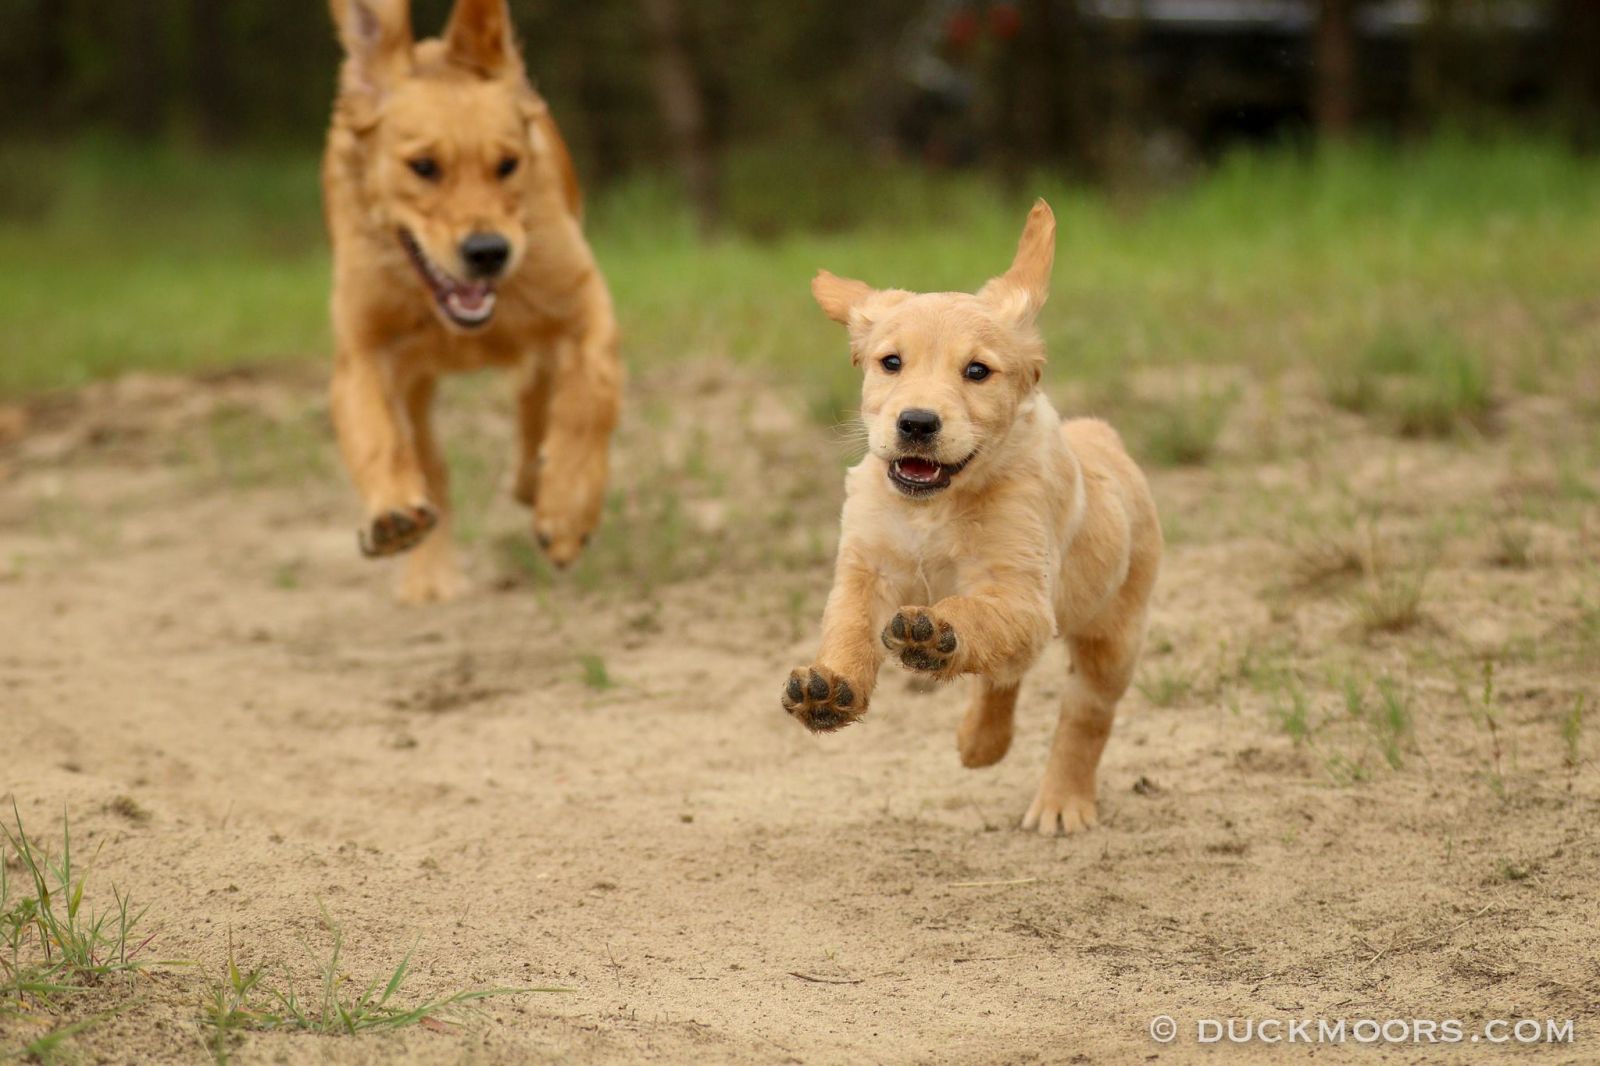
1334, 92
681, 98
1577, 29
210, 82
1074, 122
1428, 67
141, 96
1123, 148
51, 63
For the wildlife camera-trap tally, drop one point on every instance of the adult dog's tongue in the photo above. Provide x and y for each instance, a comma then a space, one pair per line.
472, 302
914, 469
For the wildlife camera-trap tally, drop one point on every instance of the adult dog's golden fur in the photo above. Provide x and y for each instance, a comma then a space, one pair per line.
454, 216
979, 523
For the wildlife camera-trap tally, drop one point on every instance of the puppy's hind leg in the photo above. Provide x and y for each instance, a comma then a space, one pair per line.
985, 733
430, 573
1102, 669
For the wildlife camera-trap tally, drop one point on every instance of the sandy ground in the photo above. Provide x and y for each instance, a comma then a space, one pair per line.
200, 671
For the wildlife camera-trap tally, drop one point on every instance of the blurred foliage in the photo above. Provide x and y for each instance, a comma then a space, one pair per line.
129, 257
1015, 83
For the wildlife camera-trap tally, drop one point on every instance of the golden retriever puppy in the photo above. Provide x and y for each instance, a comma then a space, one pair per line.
979, 523
454, 216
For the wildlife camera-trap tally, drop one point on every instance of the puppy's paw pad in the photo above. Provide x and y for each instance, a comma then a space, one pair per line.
922, 639
821, 700
1068, 813
398, 530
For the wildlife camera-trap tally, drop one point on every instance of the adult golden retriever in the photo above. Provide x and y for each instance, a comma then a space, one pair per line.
454, 214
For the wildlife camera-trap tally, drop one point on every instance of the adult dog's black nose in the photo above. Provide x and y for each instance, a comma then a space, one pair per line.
485, 254
918, 423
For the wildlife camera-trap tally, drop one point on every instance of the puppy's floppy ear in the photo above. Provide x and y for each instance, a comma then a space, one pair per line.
1019, 294
376, 35
837, 296
481, 36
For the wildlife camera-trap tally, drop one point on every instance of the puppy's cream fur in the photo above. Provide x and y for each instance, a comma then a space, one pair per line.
1048, 529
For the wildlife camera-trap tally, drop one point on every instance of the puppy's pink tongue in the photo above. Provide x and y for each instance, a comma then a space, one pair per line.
918, 469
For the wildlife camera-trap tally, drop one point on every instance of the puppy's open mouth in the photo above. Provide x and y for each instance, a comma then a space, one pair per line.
469, 304
915, 475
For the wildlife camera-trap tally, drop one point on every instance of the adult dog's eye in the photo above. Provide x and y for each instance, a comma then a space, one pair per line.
976, 371
507, 167
424, 167
890, 364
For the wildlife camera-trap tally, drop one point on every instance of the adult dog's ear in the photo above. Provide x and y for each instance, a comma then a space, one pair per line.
377, 40
838, 297
481, 36
1019, 294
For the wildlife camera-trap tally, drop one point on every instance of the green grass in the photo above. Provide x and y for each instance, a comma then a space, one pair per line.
53, 945
117, 260
249, 1000
1422, 379
595, 674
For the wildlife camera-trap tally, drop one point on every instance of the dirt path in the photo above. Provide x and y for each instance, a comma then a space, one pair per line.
586, 781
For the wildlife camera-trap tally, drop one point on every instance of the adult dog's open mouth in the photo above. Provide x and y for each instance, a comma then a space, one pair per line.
469, 304
916, 475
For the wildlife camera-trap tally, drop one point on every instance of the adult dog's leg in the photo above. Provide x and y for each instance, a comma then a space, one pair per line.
585, 394
535, 377
985, 733
430, 572
375, 438
1102, 668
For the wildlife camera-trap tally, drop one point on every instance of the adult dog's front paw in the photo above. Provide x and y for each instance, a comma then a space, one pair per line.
821, 699
398, 530
922, 639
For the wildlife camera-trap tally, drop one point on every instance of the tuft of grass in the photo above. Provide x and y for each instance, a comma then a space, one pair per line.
1292, 711
1184, 432
52, 945
1513, 546
1387, 718
1391, 600
595, 674
1426, 382
247, 1001
1167, 686
1572, 740
1332, 561
129, 808
1486, 711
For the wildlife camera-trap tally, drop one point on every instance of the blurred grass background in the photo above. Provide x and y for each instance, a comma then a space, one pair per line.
144, 258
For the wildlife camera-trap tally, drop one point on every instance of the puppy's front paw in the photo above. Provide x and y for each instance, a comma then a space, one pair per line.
394, 531
922, 639
821, 699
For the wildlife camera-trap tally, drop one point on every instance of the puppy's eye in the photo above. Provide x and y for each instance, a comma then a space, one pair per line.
890, 364
976, 371
424, 167
507, 167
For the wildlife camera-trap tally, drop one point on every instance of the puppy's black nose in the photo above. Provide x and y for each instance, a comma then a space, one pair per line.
918, 423
485, 254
